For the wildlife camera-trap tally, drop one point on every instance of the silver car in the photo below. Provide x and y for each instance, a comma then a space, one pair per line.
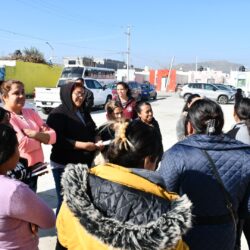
208, 90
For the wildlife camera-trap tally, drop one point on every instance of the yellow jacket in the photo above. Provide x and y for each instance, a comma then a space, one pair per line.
81, 224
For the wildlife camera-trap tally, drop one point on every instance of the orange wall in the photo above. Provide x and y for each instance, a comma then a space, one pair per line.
158, 79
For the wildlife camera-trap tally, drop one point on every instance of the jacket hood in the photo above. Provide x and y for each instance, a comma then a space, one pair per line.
65, 95
163, 233
213, 142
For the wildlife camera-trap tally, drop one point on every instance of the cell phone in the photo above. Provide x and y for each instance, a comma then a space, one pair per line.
39, 167
40, 172
105, 143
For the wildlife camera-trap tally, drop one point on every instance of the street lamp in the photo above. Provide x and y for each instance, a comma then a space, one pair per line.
52, 51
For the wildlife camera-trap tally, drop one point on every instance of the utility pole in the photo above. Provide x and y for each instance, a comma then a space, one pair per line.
170, 71
128, 50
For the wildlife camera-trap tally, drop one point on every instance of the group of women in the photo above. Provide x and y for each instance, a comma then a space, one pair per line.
123, 202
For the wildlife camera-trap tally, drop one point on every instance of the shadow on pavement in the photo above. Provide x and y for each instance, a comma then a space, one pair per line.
49, 197
47, 232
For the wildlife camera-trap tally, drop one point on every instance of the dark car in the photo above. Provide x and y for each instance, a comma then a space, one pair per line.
148, 91
134, 87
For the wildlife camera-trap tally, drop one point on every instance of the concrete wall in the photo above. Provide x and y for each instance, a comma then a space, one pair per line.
33, 75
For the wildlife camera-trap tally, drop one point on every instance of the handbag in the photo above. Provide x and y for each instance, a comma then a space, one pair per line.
227, 196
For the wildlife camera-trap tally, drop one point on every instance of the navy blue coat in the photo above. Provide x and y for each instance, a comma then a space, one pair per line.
185, 169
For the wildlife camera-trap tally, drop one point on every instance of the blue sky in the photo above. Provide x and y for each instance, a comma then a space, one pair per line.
160, 29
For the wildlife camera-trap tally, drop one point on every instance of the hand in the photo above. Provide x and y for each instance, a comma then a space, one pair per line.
99, 145
44, 128
30, 133
90, 146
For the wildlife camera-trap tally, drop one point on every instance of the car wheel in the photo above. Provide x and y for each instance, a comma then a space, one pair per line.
46, 111
223, 99
186, 97
155, 97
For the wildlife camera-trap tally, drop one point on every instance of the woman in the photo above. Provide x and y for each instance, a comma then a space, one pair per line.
75, 132
21, 210
181, 132
31, 129
126, 100
241, 132
146, 116
195, 166
21, 171
114, 113
238, 96
106, 132
121, 204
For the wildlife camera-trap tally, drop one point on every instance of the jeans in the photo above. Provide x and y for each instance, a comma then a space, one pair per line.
57, 171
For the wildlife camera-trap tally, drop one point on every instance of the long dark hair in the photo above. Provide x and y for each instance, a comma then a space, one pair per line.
3, 112
125, 86
206, 117
133, 143
8, 142
242, 110
189, 100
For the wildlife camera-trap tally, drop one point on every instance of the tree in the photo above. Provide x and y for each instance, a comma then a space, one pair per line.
33, 55
242, 68
27, 55
17, 55
200, 68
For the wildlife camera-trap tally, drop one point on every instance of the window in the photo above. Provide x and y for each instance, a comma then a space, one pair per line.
90, 84
195, 86
97, 85
209, 87
70, 72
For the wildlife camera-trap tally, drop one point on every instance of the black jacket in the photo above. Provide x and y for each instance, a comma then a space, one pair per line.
69, 128
88, 99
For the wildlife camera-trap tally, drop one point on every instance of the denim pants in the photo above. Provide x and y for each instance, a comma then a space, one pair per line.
57, 170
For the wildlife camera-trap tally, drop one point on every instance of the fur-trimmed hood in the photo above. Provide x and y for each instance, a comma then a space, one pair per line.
163, 233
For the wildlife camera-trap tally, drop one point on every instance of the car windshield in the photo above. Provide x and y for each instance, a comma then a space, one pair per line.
72, 72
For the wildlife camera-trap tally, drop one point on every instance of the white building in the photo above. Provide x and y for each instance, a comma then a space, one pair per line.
139, 76
241, 80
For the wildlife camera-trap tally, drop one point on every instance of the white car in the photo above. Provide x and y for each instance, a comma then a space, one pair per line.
49, 98
209, 90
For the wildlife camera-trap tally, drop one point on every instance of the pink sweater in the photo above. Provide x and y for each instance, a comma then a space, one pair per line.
20, 207
29, 148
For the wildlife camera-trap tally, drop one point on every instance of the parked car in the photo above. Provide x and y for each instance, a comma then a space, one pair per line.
208, 90
148, 91
49, 98
179, 86
134, 87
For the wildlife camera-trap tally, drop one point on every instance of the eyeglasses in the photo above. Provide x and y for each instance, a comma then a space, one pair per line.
79, 94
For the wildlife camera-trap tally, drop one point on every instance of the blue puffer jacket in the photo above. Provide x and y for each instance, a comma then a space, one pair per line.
185, 169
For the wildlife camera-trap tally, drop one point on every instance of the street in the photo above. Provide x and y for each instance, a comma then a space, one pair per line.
167, 109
